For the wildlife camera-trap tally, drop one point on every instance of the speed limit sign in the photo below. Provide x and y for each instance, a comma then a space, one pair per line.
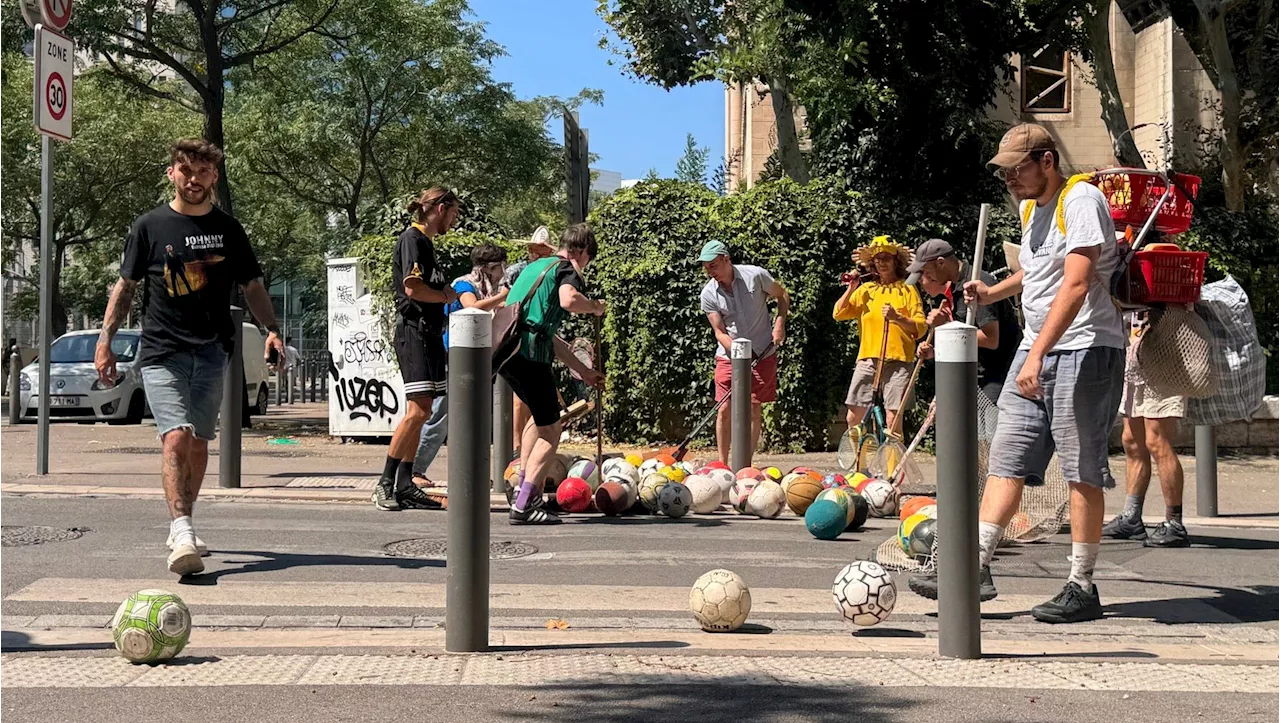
54, 56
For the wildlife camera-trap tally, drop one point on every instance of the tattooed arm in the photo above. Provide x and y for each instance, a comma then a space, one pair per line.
104, 360
259, 301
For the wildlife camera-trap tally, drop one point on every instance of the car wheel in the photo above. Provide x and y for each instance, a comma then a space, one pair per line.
260, 407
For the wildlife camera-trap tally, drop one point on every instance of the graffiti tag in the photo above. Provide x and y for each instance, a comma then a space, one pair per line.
346, 295
364, 398
362, 349
341, 319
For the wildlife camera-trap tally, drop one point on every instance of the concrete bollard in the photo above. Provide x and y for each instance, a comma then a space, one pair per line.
15, 389
1206, 471
470, 431
290, 376
502, 433
956, 367
740, 447
232, 390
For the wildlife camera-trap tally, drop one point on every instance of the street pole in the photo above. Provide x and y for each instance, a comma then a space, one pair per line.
232, 390
290, 377
956, 367
466, 626
1206, 470
740, 448
46, 299
502, 434
15, 389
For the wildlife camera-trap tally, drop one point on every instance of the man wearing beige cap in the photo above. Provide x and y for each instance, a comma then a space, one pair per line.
1064, 384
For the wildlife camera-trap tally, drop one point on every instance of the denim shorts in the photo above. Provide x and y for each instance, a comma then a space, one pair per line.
184, 389
1081, 395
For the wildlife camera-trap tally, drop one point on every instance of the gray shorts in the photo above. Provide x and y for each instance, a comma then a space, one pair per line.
184, 389
1081, 395
893, 383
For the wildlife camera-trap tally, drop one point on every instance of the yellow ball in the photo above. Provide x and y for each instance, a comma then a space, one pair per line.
773, 473
857, 478
904, 530
675, 474
635, 460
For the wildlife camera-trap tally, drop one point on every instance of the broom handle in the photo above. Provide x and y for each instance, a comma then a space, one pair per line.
897, 419
901, 472
599, 400
971, 314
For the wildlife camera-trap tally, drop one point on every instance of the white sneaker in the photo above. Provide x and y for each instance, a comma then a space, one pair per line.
185, 560
201, 548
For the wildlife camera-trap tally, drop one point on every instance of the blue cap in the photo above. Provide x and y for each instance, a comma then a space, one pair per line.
712, 249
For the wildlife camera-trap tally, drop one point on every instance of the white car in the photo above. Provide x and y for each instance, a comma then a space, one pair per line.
76, 393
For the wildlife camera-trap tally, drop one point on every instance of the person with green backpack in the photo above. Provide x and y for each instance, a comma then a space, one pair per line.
547, 291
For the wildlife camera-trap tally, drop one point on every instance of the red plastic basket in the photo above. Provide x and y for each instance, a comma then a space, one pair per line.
1133, 196
1172, 277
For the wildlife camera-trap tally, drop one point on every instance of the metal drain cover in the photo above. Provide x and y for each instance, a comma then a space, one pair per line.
14, 536
438, 549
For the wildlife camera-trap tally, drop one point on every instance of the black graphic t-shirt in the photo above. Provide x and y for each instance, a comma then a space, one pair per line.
189, 264
415, 258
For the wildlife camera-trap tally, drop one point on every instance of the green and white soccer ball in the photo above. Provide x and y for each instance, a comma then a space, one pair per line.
720, 601
151, 626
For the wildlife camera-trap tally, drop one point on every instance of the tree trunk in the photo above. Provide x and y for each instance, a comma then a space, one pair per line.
788, 138
213, 133
1098, 24
1230, 154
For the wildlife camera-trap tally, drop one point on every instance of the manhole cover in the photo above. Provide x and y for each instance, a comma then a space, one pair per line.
438, 549
14, 536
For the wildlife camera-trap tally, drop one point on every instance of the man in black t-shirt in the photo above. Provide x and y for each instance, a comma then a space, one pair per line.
421, 293
937, 269
190, 255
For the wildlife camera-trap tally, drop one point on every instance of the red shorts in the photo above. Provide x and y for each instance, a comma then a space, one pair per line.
764, 380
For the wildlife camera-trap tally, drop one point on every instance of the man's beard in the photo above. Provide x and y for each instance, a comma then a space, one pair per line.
1028, 192
194, 198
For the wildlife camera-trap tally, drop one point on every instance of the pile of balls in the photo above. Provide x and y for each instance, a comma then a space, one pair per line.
864, 594
832, 504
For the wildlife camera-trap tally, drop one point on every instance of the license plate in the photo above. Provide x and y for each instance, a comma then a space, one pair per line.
55, 401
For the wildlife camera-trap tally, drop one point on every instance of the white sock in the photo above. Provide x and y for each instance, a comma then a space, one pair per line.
182, 531
988, 540
1084, 555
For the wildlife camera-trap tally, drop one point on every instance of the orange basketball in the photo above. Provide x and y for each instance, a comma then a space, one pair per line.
913, 505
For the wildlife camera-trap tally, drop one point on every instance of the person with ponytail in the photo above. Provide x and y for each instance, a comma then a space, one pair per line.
421, 294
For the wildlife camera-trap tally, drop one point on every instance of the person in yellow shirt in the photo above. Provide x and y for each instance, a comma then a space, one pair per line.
884, 299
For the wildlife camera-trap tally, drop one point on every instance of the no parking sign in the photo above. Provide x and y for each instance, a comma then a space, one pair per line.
54, 56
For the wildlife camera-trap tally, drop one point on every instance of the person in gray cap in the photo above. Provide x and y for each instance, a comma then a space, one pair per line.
939, 273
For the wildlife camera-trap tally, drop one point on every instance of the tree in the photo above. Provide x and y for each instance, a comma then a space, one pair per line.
1097, 22
111, 172
692, 166
201, 42
680, 42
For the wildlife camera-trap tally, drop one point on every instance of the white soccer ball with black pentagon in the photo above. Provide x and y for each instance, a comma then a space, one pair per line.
722, 477
151, 626
864, 593
720, 601
616, 467
649, 466
674, 499
767, 500
881, 497
741, 492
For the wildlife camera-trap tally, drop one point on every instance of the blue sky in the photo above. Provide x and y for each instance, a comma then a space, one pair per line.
552, 49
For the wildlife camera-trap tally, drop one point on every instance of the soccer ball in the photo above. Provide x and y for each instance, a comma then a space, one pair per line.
151, 626
767, 500
675, 474
882, 497
739, 493
723, 478
649, 489
864, 593
720, 601
617, 467
706, 494
674, 499
586, 470
649, 466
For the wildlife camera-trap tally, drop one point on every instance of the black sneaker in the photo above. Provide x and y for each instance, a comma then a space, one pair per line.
927, 585
384, 495
413, 498
1169, 533
1125, 528
533, 516
1073, 605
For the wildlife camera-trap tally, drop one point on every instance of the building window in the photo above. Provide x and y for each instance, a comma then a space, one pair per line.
1046, 81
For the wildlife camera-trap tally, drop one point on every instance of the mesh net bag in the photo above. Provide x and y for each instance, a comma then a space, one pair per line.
1174, 354
1041, 514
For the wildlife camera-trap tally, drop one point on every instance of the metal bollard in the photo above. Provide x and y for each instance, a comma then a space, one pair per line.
502, 433
1206, 470
280, 383
314, 367
740, 448
291, 376
306, 382
466, 626
956, 368
232, 390
15, 390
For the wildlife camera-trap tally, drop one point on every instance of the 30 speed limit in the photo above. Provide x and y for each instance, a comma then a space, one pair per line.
54, 56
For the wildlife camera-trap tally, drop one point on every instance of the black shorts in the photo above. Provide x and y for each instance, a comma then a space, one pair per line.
535, 384
423, 362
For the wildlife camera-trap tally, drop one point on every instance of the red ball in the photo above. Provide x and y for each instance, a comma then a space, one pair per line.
611, 498
751, 473
840, 480
830, 481
801, 470
858, 488
717, 465
574, 495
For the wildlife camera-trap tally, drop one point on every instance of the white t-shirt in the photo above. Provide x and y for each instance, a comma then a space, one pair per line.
1043, 258
746, 310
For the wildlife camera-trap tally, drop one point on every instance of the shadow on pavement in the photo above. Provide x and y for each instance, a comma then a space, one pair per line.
1233, 543
273, 561
12, 641
622, 645
1256, 604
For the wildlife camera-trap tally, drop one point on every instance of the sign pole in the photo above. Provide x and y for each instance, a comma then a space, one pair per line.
46, 298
